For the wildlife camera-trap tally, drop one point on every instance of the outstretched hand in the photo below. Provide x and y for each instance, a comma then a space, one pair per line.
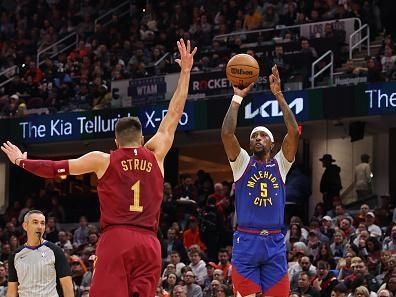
275, 82
243, 92
13, 152
186, 60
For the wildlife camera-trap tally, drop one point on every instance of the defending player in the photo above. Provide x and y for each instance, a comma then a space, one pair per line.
130, 194
259, 251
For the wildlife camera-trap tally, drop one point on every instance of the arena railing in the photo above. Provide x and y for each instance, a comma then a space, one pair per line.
64, 44
304, 28
327, 66
120, 10
356, 40
9, 73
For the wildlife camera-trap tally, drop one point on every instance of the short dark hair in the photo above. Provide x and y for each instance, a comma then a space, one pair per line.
365, 158
29, 213
128, 130
223, 250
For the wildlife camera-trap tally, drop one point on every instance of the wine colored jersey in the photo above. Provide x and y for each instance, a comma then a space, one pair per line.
130, 191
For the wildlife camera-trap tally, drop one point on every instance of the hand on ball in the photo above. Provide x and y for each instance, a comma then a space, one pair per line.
243, 92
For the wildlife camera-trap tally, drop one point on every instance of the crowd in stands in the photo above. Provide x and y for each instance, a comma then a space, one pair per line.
330, 254
129, 46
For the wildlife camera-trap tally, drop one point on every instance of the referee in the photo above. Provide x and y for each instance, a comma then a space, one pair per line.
35, 267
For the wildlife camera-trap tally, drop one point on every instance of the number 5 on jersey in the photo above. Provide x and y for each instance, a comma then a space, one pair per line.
136, 198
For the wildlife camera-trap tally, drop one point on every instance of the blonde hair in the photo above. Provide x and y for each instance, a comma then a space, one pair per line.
362, 289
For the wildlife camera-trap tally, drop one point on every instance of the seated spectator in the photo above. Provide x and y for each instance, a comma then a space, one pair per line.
344, 266
388, 61
198, 267
360, 217
372, 70
169, 282
253, 18
224, 263
304, 264
192, 236
373, 247
384, 293
103, 100
359, 269
386, 42
63, 242
325, 281
326, 255
210, 268
326, 227
80, 235
192, 288
294, 233
307, 48
170, 246
339, 291
338, 245
305, 287
389, 243
180, 291
270, 17
374, 229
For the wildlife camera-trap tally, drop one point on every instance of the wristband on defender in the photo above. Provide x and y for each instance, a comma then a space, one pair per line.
237, 99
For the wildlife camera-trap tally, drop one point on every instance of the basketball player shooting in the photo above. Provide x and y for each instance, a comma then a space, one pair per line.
128, 256
259, 250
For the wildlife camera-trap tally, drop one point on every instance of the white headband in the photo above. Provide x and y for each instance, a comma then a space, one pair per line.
263, 129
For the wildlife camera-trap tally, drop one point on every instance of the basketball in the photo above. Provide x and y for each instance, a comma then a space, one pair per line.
242, 70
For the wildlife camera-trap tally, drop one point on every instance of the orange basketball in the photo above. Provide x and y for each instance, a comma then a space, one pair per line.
242, 70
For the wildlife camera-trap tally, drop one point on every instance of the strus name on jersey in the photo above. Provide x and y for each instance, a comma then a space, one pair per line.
262, 179
136, 165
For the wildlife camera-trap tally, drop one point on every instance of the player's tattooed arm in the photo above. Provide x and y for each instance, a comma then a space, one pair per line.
230, 142
290, 142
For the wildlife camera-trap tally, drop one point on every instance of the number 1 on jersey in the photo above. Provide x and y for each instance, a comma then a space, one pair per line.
136, 198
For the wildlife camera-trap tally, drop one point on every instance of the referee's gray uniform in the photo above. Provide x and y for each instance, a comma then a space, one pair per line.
37, 270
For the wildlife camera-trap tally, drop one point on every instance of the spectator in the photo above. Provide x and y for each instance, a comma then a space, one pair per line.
192, 235
338, 245
172, 244
180, 291
306, 48
51, 230
80, 235
360, 217
63, 242
359, 269
224, 263
175, 260
362, 177
330, 183
253, 18
388, 61
193, 290
304, 265
390, 241
325, 280
374, 229
198, 267
305, 287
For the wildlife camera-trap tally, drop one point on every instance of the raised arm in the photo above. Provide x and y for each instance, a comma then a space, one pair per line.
230, 142
91, 162
162, 141
290, 142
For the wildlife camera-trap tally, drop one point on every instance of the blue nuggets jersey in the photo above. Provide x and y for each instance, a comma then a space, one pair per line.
260, 196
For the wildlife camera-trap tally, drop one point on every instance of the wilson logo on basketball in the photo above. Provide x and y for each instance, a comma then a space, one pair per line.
241, 71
